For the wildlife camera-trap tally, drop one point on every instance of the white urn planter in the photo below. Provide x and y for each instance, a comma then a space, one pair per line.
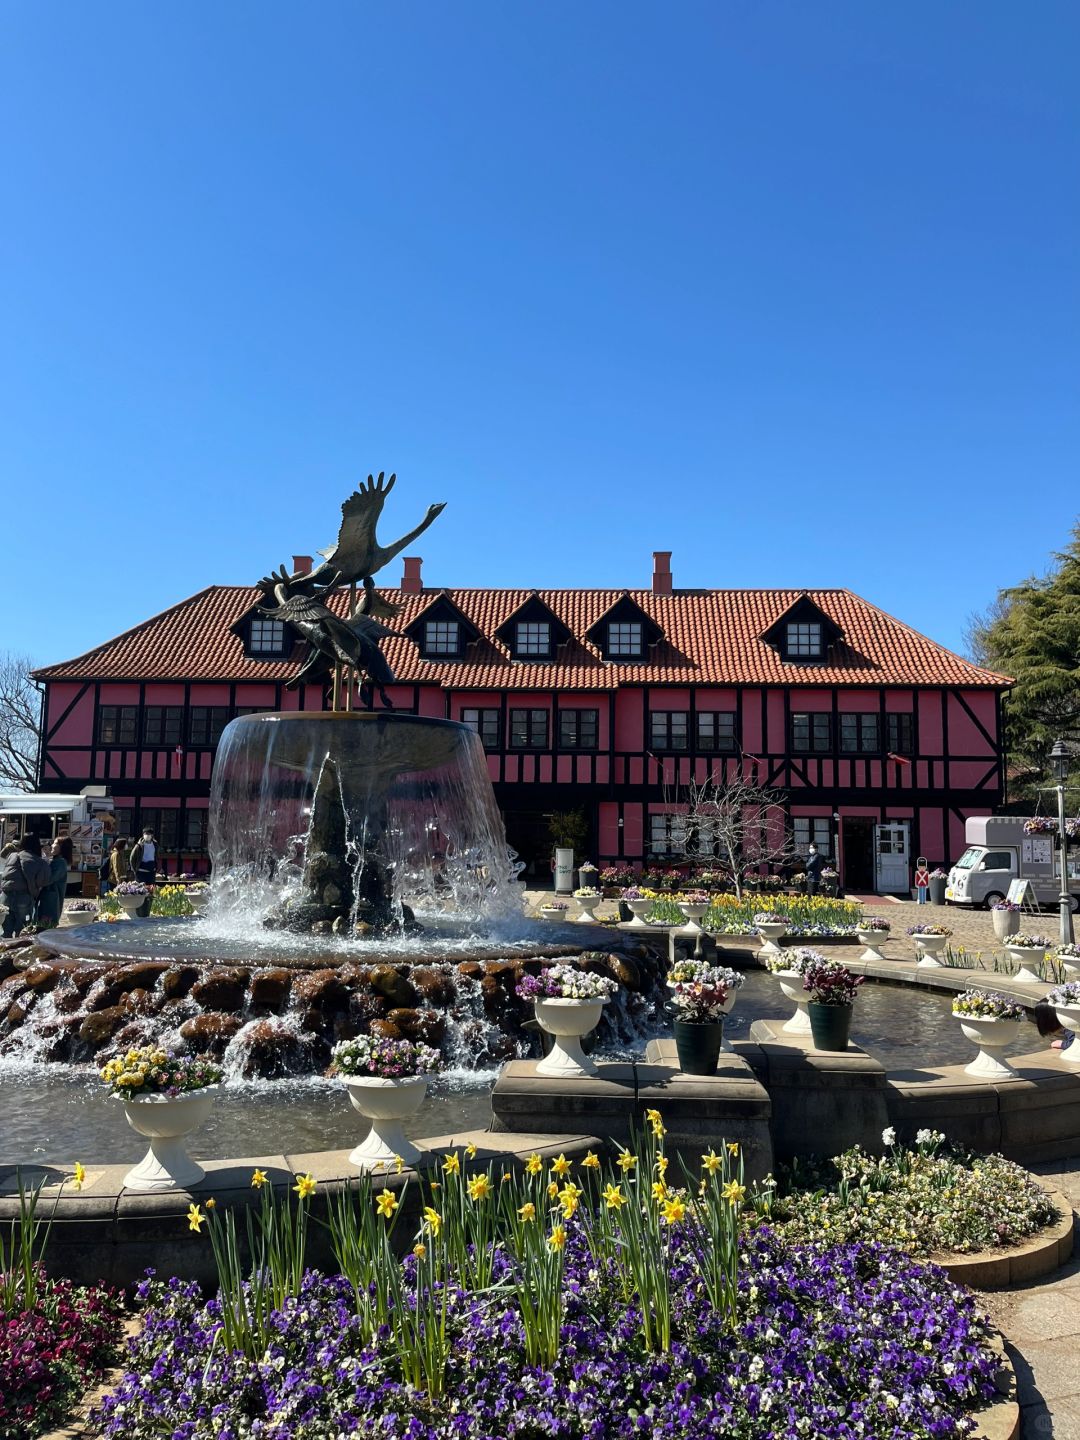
692, 912
588, 911
567, 1021
198, 900
873, 940
791, 983
131, 904
1005, 922
387, 1104
166, 1121
640, 908
990, 1034
930, 949
770, 934
1071, 967
1026, 956
1069, 1015
550, 912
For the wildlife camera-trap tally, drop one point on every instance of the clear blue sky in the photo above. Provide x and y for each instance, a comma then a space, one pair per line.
790, 289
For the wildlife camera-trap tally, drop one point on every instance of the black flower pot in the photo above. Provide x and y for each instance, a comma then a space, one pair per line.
831, 1025
698, 1046
938, 885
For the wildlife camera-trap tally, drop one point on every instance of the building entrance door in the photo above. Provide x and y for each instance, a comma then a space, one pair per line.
893, 847
857, 849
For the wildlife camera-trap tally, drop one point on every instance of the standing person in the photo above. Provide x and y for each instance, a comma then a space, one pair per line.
119, 863
144, 866
23, 877
815, 864
50, 904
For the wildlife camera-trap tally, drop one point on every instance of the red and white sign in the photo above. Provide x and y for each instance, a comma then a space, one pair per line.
922, 879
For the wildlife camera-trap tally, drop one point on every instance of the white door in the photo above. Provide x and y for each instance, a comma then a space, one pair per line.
892, 847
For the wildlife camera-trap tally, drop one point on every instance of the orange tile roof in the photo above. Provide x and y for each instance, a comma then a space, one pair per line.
711, 637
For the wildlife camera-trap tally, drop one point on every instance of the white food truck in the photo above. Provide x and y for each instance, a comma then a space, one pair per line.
998, 852
82, 817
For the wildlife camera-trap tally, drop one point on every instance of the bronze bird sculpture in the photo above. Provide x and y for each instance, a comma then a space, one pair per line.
357, 553
353, 642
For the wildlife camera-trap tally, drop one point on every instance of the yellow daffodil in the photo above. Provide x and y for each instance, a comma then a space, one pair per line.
553, 1188
557, 1238
211, 1204
399, 1164
653, 1117
659, 1190
305, 1186
80, 1175
561, 1166
712, 1162
505, 1176
480, 1187
470, 1150
614, 1198
674, 1210
527, 1211
533, 1165
733, 1191
591, 1161
569, 1198
195, 1219
258, 1179
626, 1161
452, 1164
733, 1147
661, 1166
386, 1202
419, 1250
432, 1219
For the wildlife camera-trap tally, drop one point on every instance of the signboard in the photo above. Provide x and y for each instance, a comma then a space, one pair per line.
86, 843
1037, 850
564, 871
1022, 892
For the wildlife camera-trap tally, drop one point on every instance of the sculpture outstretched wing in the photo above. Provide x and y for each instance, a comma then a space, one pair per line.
356, 544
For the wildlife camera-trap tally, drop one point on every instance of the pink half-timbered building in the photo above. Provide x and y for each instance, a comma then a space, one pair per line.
881, 740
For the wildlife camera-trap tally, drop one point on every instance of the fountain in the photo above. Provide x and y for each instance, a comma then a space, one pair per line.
361, 881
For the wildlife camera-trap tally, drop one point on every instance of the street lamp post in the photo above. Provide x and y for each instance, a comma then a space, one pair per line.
1059, 760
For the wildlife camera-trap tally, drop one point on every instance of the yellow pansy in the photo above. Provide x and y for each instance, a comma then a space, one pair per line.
258, 1179
614, 1197
305, 1186
387, 1203
196, 1219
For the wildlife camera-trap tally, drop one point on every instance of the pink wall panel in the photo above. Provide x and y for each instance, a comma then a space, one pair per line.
431, 702
603, 768
545, 769
851, 701
629, 734
78, 727
245, 695
74, 763
717, 699
775, 739
564, 769
876, 774
670, 700
931, 834
827, 773
636, 768
966, 774
117, 694
984, 706
219, 695
930, 738
632, 830
957, 843
608, 827
513, 768
479, 700
752, 738
964, 735
899, 700
583, 768
493, 766
804, 700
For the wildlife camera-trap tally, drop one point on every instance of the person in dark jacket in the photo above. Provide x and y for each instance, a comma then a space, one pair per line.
22, 879
815, 864
50, 904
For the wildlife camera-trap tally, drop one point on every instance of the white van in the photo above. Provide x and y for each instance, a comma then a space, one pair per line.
998, 853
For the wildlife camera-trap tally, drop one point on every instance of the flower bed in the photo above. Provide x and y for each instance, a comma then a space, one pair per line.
580, 1305
927, 1199
806, 916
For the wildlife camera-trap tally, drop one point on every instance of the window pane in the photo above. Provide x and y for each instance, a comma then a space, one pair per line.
441, 637
529, 729
195, 825
267, 637
804, 639
118, 724
486, 725
900, 734
624, 638
533, 637
208, 721
578, 729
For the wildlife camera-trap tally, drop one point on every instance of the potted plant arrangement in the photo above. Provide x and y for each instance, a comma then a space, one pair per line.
830, 880
939, 879
1005, 918
1068, 957
614, 878
789, 966
79, 912
640, 904
1028, 951
692, 906
930, 941
567, 1003
700, 1006
989, 1020
166, 1098
132, 895
1066, 1002
1041, 825
771, 925
554, 909
831, 989
197, 894
386, 1081
587, 875
588, 897
873, 931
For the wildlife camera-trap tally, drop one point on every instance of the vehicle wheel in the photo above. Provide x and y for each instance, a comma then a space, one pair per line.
992, 899
1075, 904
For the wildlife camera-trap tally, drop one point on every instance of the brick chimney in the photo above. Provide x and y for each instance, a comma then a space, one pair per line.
661, 572
301, 564
410, 580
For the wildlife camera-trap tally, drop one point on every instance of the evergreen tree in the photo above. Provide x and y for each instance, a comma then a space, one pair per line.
1033, 634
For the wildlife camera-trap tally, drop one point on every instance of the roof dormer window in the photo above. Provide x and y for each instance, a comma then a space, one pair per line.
266, 637
442, 637
803, 641
533, 638
624, 639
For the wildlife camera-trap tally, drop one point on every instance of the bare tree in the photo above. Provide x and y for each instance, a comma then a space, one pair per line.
739, 820
20, 723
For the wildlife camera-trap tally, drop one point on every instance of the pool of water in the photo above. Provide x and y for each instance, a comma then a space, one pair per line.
59, 1114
